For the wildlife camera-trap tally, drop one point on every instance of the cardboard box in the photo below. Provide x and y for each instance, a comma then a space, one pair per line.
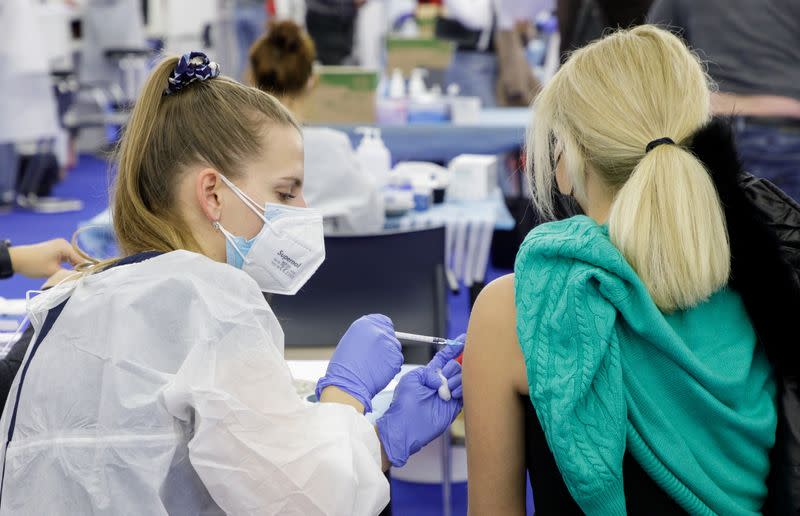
343, 95
409, 53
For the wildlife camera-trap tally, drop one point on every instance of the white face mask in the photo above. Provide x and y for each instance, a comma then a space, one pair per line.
285, 253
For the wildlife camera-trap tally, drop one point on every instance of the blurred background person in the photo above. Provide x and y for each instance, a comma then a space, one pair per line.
515, 25
583, 21
251, 19
106, 25
331, 24
28, 110
470, 23
348, 197
752, 48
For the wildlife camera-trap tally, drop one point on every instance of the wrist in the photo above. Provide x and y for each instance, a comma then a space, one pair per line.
333, 394
385, 462
392, 445
6, 260
347, 383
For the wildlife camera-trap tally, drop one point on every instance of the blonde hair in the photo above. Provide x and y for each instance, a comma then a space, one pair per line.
602, 108
217, 122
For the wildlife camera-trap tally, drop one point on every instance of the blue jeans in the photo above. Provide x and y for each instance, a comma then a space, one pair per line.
772, 152
476, 74
251, 23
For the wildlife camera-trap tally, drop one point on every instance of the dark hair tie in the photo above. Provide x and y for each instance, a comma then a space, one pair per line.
192, 67
655, 143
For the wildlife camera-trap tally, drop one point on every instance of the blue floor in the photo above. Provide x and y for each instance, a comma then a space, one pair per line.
89, 182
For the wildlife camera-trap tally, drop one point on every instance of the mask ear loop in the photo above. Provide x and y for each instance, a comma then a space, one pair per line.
228, 237
253, 205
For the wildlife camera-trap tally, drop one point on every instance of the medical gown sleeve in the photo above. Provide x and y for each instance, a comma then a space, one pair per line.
257, 447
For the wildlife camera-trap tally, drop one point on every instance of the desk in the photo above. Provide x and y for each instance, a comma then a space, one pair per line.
499, 130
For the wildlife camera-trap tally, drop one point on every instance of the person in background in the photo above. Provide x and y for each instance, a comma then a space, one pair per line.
517, 85
28, 110
109, 24
622, 364
349, 198
583, 21
753, 53
251, 18
42, 260
36, 260
469, 23
331, 24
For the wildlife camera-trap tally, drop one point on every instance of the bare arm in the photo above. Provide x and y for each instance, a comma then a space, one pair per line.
494, 377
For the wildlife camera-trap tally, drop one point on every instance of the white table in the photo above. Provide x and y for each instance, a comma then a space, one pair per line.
12, 313
313, 370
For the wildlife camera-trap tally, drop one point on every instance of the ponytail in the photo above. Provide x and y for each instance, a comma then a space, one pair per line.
668, 222
153, 228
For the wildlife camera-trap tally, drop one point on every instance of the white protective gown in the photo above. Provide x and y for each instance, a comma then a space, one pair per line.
336, 185
161, 389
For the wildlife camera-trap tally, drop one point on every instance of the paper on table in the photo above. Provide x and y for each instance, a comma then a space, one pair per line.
12, 307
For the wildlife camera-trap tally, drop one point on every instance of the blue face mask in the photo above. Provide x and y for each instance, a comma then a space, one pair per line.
240, 244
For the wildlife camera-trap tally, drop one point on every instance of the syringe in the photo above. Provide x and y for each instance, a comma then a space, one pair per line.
424, 339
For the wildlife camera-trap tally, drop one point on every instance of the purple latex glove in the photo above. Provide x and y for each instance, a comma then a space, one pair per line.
365, 361
417, 414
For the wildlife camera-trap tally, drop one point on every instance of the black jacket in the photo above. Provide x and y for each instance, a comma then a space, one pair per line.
10, 364
764, 231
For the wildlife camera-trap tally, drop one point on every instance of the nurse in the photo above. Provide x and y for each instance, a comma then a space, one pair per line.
155, 383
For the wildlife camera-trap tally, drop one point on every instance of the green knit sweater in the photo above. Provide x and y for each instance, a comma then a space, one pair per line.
689, 393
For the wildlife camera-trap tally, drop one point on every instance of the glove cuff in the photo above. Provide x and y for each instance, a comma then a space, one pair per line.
397, 458
332, 382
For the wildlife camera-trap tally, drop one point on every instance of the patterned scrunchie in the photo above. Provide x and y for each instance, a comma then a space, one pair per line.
193, 66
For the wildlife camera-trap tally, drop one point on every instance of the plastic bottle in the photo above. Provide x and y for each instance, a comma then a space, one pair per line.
416, 84
393, 107
397, 85
424, 105
372, 154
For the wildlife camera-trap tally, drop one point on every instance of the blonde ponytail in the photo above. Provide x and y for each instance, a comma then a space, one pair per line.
153, 227
598, 114
668, 222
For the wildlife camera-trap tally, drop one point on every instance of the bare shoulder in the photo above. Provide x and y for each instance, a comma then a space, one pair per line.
495, 304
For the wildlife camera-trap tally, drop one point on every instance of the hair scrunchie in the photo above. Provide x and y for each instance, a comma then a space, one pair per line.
192, 67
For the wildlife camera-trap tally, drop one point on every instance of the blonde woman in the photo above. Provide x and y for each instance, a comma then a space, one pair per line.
155, 384
618, 365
